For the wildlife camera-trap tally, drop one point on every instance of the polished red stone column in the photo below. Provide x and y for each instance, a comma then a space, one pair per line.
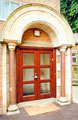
12, 81
62, 91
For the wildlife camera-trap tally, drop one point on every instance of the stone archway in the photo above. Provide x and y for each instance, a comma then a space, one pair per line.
24, 16
45, 18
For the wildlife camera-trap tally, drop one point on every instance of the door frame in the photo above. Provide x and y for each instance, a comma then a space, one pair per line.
18, 70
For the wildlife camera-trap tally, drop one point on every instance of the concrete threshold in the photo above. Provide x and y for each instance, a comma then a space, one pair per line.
35, 102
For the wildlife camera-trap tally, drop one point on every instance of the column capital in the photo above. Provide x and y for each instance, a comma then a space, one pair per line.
11, 46
62, 49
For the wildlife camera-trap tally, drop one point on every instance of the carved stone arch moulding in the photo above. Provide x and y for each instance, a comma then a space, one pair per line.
25, 16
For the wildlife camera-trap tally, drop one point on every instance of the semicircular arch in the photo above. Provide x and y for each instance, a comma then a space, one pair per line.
41, 16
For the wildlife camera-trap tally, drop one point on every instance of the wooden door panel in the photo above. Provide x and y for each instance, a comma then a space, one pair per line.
19, 75
54, 73
44, 96
29, 98
30, 82
24, 82
44, 67
49, 65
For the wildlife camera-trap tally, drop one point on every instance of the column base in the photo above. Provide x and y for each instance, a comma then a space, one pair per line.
62, 99
12, 108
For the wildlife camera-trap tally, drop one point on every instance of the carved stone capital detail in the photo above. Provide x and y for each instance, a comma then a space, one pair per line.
11, 46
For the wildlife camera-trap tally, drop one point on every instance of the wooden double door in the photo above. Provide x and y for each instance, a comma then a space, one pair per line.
36, 73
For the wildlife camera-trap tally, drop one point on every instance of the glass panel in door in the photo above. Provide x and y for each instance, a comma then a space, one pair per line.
28, 58
44, 59
28, 89
28, 75
45, 87
45, 74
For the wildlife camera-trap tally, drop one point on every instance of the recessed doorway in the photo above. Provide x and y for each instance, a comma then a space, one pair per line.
36, 73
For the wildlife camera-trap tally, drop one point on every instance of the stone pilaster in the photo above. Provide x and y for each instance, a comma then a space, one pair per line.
12, 106
62, 90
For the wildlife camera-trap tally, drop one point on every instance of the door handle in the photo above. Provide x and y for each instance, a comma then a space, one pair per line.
35, 76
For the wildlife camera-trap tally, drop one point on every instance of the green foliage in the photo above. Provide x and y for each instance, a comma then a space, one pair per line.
69, 8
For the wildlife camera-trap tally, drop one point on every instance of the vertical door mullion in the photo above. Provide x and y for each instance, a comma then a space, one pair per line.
51, 72
38, 66
35, 71
54, 73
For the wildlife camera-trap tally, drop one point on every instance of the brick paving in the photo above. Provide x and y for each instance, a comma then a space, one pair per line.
67, 112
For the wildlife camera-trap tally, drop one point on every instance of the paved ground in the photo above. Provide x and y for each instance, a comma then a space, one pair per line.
67, 112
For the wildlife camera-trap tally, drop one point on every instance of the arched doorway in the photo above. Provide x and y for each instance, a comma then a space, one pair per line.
36, 66
47, 19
